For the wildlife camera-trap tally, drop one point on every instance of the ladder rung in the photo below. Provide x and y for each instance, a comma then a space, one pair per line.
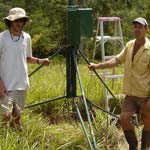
114, 76
108, 18
109, 38
98, 38
109, 57
117, 96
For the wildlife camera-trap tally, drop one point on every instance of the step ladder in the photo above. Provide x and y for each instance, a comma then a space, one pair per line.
100, 41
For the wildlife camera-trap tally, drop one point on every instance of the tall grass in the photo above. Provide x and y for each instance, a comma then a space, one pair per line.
50, 126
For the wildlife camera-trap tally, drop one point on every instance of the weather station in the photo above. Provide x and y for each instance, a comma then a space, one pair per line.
79, 29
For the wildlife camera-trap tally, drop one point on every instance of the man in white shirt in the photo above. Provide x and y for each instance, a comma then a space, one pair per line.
15, 53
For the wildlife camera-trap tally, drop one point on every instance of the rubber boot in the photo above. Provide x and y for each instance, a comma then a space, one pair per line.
131, 139
145, 144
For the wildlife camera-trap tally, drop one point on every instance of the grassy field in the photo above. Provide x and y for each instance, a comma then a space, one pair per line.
50, 126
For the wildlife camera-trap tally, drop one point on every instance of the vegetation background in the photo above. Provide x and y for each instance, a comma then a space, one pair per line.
50, 126
48, 18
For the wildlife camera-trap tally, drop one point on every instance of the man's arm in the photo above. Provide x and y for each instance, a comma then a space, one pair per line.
104, 65
3, 90
35, 60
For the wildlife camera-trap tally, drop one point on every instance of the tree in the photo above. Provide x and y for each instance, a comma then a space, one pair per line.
48, 26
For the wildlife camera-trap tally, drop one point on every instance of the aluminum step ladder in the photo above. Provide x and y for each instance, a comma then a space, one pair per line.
100, 40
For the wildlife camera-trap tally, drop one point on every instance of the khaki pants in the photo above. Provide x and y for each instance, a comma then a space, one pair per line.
13, 98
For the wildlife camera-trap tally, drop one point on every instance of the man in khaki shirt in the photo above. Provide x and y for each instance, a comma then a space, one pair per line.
136, 57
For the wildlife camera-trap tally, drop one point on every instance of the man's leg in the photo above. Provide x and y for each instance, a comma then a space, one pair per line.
6, 116
16, 112
128, 129
145, 116
6, 105
145, 143
18, 107
129, 107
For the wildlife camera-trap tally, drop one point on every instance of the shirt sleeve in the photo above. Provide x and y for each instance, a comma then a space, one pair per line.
122, 55
29, 47
1, 46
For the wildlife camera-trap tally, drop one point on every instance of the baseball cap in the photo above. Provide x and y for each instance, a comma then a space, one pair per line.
141, 21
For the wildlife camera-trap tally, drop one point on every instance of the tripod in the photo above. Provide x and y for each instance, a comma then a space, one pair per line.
79, 25
72, 72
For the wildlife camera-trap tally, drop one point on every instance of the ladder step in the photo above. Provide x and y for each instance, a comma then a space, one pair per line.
114, 76
98, 38
108, 38
108, 19
109, 57
117, 96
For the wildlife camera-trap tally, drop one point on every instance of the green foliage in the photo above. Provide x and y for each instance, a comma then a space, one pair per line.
48, 26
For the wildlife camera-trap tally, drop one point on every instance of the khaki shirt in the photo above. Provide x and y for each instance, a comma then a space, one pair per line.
137, 72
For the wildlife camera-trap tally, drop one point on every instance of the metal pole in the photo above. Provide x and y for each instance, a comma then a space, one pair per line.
105, 111
98, 76
50, 57
85, 104
46, 101
71, 72
83, 126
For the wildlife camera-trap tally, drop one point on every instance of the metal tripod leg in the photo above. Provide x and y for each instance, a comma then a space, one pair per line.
82, 124
46, 101
98, 76
50, 57
85, 104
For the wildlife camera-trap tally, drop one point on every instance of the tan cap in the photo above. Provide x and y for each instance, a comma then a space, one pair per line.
141, 21
16, 13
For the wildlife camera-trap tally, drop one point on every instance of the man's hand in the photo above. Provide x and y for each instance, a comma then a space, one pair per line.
92, 66
45, 61
3, 90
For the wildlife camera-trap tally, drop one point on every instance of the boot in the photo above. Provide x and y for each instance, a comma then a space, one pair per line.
145, 144
131, 139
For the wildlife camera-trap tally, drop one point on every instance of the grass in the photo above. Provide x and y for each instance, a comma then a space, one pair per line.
50, 126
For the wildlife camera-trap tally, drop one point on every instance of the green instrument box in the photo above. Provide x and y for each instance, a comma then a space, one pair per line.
79, 24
